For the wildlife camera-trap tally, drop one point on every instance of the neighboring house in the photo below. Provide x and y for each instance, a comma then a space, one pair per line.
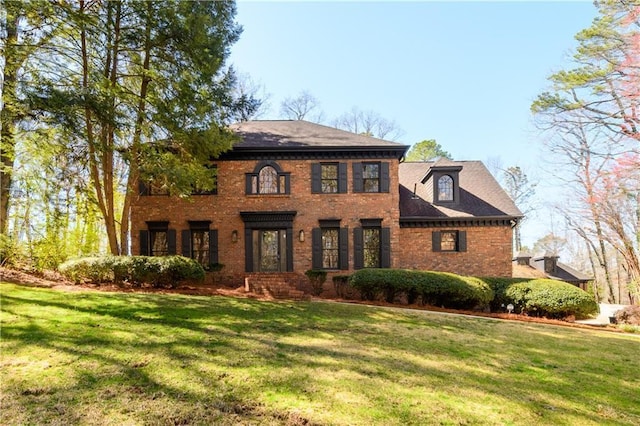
293, 196
548, 266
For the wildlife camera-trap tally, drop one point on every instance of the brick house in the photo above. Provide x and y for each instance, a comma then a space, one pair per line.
294, 195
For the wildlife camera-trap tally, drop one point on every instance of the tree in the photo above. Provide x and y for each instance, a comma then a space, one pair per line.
143, 92
26, 28
251, 96
427, 150
304, 106
368, 123
592, 114
550, 244
520, 189
603, 86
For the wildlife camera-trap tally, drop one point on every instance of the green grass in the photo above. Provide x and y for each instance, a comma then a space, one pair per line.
106, 358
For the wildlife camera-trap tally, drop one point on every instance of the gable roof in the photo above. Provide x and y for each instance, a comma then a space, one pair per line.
301, 134
481, 196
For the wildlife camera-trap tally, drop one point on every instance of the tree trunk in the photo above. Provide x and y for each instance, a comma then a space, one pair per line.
8, 116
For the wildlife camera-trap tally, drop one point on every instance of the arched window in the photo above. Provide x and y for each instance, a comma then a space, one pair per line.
445, 188
268, 180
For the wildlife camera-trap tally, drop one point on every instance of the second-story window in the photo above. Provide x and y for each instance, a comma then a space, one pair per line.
371, 177
268, 178
329, 178
267, 181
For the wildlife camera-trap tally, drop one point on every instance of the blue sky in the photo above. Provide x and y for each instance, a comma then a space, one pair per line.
463, 73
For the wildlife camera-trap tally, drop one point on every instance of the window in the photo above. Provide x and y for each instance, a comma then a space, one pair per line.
329, 244
449, 241
445, 188
330, 248
197, 190
372, 245
268, 178
329, 178
267, 181
371, 177
200, 243
200, 246
158, 240
152, 188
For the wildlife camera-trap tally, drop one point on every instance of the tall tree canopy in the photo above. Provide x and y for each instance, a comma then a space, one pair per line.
427, 150
590, 116
140, 90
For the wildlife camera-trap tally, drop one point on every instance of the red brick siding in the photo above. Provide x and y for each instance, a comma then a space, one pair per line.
223, 210
488, 248
488, 251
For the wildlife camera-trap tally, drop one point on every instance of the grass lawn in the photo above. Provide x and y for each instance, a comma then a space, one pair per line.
107, 358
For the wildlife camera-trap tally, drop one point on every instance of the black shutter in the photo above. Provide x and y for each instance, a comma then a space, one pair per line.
385, 248
358, 248
248, 250
316, 178
287, 183
289, 249
171, 241
316, 248
344, 248
213, 246
248, 183
144, 243
435, 241
186, 242
384, 177
358, 184
143, 188
462, 240
342, 178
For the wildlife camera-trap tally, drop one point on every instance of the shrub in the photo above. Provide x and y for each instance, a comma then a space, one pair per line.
158, 271
550, 298
628, 315
499, 285
434, 288
341, 286
317, 279
453, 291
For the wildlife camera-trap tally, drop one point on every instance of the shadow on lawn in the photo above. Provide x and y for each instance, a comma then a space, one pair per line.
204, 358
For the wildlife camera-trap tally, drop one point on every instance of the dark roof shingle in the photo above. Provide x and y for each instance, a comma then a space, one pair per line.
301, 134
480, 194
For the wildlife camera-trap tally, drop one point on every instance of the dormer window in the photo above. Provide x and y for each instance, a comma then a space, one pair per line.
445, 188
445, 178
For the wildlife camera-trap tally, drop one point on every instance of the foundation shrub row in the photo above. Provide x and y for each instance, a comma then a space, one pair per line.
535, 297
167, 271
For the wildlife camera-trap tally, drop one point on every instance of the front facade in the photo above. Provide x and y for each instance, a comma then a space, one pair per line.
294, 196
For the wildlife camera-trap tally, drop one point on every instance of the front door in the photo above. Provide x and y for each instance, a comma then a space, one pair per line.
270, 250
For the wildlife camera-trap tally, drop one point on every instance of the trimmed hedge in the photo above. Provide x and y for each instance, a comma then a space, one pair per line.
165, 271
542, 297
433, 288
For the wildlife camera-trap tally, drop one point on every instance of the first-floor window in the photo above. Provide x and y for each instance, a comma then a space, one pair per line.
449, 240
200, 243
372, 245
200, 246
330, 248
157, 240
330, 245
371, 240
159, 243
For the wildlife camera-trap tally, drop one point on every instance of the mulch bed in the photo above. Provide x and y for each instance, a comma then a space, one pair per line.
56, 281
